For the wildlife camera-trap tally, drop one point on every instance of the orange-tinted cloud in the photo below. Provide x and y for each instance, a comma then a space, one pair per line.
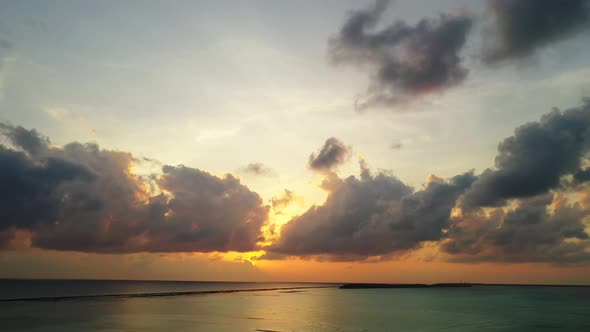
84, 198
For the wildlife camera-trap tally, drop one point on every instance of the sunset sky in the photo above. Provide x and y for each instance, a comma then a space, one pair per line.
336, 141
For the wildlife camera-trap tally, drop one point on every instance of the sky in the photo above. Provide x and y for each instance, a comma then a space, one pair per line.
335, 141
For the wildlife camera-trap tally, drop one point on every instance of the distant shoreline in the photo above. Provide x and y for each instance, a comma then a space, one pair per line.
372, 286
443, 285
332, 284
160, 294
346, 286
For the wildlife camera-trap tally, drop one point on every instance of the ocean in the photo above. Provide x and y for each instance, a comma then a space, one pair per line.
87, 305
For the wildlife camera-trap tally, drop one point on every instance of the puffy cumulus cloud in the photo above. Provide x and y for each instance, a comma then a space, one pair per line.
519, 28
332, 154
535, 158
83, 198
531, 207
207, 213
370, 216
404, 60
516, 212
257, 169
31, 190
539, 229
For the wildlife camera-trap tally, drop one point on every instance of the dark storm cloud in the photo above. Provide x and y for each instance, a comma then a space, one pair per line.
532, 232
83, 198
332, 154
535, 158
257, 169
521, 27
373, 215
30, 191
404, 60
27, 140
582, 176
5, 237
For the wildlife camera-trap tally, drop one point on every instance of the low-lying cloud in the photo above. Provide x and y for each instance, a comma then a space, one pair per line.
532, 206
515, 212
535, 231
83, 198
371, 215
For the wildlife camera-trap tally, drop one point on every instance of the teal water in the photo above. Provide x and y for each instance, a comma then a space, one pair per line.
479, 308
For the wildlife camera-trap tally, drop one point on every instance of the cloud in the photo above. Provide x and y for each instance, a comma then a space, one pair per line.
83, 198
6, 237
332, 154
582, 176
535, 158
396, 145
207, 213
257, 169
284, 199
28, 140
521, 27
515, 212
404, 61
531, 207
529, 221
527, 217
371, 215
540, 229
31, 190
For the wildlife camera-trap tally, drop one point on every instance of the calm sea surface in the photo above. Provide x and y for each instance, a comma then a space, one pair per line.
479, 308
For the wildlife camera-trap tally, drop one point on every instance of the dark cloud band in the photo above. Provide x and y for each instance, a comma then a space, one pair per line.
80, 197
